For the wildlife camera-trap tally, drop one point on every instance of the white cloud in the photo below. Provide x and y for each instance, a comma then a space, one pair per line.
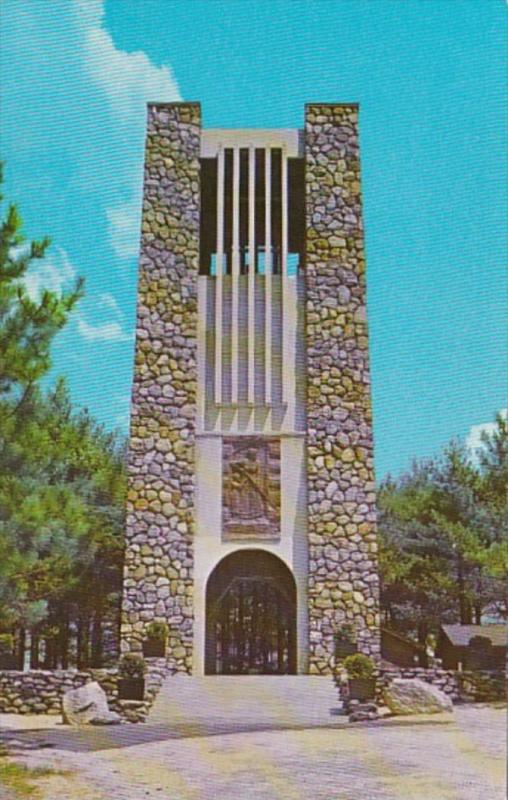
128, 79
57, 274
81, 115
122, 420
106, 300
54, 272
107, 330
123, 227
474, 438
104, 332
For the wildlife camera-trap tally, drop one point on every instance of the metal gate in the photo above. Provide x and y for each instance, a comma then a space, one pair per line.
254, 628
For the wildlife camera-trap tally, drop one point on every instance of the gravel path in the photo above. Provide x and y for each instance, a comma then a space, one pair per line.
425, 759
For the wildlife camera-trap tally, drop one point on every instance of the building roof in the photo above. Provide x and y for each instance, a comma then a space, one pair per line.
461, 635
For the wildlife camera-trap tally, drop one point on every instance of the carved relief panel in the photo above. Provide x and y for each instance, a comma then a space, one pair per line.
251, 488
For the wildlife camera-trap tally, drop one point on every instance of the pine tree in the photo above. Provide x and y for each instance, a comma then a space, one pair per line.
27, 326
443, 533
61, 479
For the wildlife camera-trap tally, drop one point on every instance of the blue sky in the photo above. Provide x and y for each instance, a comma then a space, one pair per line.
430, 78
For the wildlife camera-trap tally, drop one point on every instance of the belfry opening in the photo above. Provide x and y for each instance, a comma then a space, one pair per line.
253, 207
250, 616
251, 525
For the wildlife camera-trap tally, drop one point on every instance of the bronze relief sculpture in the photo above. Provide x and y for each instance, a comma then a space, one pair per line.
251, 488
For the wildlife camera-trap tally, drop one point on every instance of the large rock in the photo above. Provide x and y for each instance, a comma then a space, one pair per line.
110, 718
86, 705
412, 696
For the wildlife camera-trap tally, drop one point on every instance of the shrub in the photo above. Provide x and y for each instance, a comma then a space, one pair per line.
132, 666
359, 666
346, 633
157, 630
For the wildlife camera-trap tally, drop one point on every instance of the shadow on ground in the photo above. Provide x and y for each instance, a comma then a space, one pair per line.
90, 739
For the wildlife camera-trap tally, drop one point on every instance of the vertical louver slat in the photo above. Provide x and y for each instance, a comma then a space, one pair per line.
219, 271
235, 270
252, 270
284, 269
268, 275
284, 210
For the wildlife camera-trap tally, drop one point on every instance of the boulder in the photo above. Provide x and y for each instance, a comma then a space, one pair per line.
81, 706
363, 716
412, 696
361, 712
110, 718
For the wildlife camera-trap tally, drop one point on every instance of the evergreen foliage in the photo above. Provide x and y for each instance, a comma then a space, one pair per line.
27, 326
61, 482
132, 666
444, 538
359, 666
158, 631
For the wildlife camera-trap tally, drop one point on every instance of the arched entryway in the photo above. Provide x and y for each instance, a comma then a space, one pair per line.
250, 616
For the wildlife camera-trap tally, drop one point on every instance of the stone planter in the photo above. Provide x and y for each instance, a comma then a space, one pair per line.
154, 648
131, 688
362, 689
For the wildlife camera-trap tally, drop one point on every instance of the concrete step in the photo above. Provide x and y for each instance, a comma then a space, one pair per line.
247, 702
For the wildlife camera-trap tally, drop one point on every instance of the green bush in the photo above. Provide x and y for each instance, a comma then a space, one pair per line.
132, 666
346, 633
359, 666
158, 631
6, 643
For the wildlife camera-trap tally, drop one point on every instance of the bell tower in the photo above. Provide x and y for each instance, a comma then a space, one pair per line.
251, 504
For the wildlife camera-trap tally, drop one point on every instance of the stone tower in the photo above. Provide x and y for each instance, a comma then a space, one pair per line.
251, 502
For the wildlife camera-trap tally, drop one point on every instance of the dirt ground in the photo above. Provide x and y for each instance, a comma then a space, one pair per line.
440, 757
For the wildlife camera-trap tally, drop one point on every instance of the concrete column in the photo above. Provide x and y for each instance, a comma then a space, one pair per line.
343, 576
208, 545
158, 577
294, 535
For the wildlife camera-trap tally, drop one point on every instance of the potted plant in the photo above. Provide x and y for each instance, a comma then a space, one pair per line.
361, 680
8, 659
154, 645
131, 682
345, 642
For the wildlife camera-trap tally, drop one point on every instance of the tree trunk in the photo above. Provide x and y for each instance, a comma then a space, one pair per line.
21, 649
464, 604
79, 643
97, 644
477, 614
423, 632
85, 641
34, 652
63, 638
48, 653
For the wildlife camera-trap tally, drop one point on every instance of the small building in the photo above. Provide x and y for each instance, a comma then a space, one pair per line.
472, 647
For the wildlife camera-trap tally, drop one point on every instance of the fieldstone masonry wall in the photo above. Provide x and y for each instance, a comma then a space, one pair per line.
445, 680
158, 579
343, 576
41, 691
